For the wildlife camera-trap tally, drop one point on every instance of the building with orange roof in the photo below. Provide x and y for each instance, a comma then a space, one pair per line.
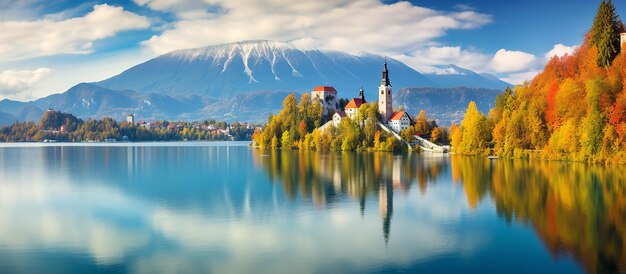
399, 121
352, 108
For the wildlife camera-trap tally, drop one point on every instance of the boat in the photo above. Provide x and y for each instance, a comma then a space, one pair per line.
492, 157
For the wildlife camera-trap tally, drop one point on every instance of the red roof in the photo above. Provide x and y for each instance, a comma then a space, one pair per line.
355, 103
341, 113
325, 89
397, 115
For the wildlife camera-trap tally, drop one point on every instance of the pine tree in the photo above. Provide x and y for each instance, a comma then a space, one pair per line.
605, 33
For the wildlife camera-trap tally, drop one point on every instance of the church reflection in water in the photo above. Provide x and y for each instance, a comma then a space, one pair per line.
327, 178
576, 209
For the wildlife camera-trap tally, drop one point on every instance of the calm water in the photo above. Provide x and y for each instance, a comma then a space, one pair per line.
216, 208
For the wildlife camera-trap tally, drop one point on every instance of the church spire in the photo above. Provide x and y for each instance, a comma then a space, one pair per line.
361, 94
385, 80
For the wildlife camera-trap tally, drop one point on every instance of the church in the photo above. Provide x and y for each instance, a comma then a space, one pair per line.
397, 121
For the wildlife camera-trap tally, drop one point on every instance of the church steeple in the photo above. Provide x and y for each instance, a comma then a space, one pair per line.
385, 107
385, 80
361, 94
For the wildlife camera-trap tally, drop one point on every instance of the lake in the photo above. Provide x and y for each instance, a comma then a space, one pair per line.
227, 208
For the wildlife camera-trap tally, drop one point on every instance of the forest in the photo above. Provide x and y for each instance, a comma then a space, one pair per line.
65, 127
574, 110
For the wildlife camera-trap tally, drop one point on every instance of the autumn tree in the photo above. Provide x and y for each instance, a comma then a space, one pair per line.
475, 132
435, 135
421, 124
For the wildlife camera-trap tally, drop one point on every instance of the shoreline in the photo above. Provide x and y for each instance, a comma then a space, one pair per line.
126, 144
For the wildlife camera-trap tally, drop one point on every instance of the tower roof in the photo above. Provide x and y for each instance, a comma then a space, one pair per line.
362, 94
385, 80
325, 88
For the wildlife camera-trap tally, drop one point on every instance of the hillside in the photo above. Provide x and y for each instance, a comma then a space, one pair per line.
6, 119
575, 109
445, 105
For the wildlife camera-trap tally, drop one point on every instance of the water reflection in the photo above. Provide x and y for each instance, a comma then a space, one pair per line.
576, 209
326, 178
179, 209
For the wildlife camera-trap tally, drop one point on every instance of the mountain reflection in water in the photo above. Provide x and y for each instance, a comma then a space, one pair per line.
211, 207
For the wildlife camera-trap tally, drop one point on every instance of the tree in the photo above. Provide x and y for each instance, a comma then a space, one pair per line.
455, 136
475, 130
289, 114
421, 124
286, 140
605, 33
435, 135
275, 143
408, 134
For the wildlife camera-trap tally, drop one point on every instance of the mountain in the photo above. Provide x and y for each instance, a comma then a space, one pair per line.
247, 80
29, 113
454, 76
446, 105
6, 119
230, 69
89, 100
20, 111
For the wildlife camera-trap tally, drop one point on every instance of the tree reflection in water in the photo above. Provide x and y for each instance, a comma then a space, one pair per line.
576, 209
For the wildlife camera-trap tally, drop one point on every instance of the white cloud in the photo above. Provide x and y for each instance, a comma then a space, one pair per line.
352, 26
26, 39
424, 59
560, 50
507, 61
519, 78
14, 82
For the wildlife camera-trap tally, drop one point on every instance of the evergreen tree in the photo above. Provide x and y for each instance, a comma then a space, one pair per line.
605, 33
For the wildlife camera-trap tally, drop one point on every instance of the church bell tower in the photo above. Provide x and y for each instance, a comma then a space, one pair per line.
385, 107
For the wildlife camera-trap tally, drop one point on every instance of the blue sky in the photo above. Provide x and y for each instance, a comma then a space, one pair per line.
49, 46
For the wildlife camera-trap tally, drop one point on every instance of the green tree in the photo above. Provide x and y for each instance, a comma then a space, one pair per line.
286, 140
605, 33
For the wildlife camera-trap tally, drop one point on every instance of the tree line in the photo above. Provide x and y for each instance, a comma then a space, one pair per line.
65, 127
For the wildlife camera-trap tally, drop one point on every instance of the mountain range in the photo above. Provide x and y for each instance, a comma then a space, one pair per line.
242, 81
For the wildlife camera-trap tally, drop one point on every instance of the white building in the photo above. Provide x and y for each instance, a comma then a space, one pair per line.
623, 40
399, 121
327, 96
337, 117
130, 118
352, 108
